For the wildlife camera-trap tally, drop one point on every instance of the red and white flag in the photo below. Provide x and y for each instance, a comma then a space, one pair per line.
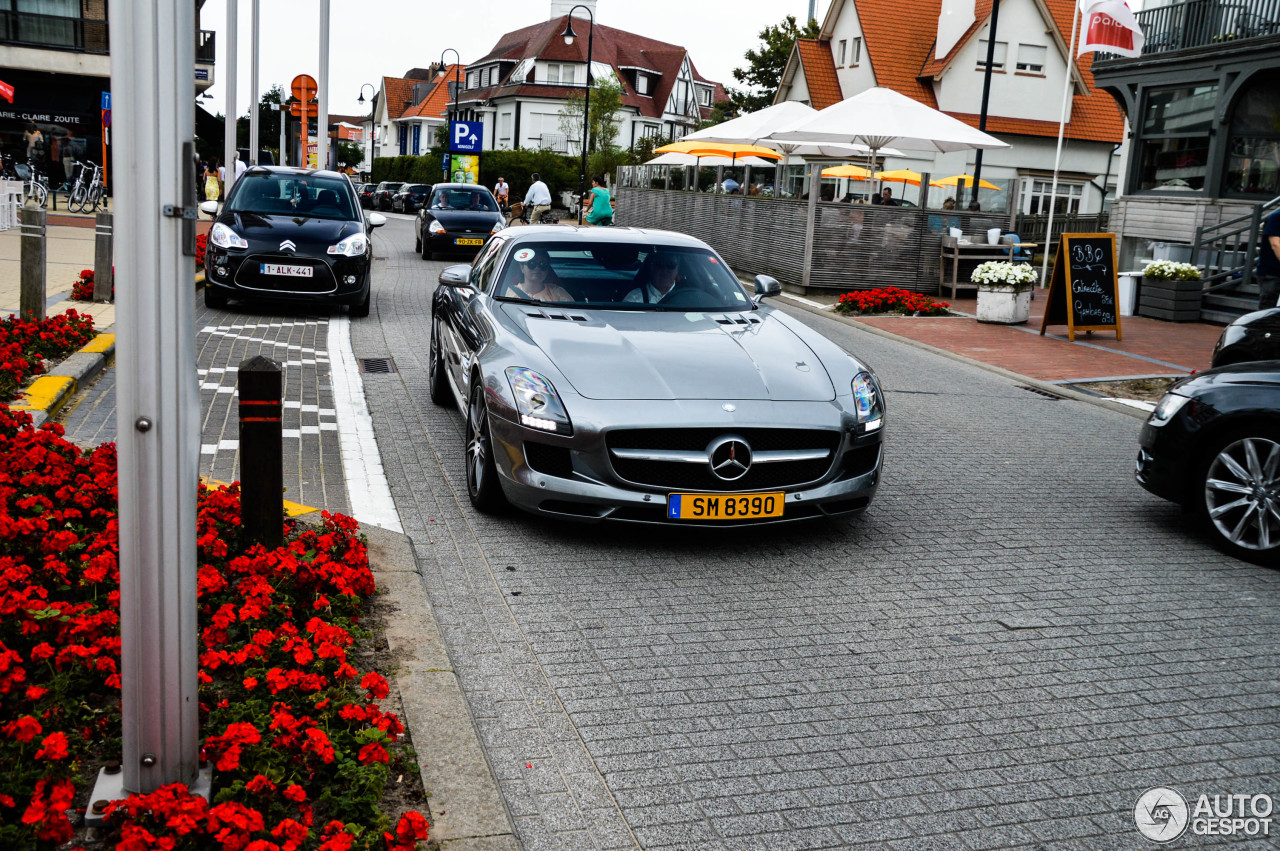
1110, 27
6, 91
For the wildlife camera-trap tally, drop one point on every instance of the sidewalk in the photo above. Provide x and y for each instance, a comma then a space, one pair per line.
69, 249
1149, 347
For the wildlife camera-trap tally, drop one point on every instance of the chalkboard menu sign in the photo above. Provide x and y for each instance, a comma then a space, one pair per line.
1082, 288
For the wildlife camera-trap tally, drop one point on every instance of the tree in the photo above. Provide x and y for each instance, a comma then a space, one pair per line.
606, 98
721, 112
765, 65
349, 154
268, 121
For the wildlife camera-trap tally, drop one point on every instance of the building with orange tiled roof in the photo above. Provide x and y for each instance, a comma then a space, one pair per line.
519, 88
407, 110
934, 51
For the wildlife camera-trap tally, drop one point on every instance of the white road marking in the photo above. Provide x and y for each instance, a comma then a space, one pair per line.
809, 302
367, 491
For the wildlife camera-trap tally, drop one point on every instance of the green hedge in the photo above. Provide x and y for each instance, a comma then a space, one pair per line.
558, 171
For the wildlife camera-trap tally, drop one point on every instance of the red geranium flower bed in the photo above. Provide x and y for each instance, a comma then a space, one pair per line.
301, 747
891, 300
82, 289
24, 345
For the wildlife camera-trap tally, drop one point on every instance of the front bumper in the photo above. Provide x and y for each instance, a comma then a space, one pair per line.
447, 242
335, 280
1164, 458
573, 478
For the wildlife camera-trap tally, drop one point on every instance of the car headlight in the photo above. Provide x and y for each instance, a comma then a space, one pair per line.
1169, 405
537, 402
353, 246
497, 226
224, 237
867, 402
435, 226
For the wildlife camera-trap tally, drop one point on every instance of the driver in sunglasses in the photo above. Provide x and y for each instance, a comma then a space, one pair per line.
539, 280
663, 276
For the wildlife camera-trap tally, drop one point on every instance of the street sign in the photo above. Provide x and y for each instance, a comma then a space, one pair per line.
106, 100
444, 161
466, 137
303, 87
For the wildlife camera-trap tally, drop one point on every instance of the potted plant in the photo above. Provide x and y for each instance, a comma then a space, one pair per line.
1170, 290
1004, 291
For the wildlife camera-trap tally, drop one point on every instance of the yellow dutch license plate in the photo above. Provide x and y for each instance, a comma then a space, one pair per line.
724, 506
461, 241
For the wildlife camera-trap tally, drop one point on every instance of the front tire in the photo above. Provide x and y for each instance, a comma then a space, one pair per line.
437, 382
214, 300
361, 310
1237, 493
75, 201
483, 487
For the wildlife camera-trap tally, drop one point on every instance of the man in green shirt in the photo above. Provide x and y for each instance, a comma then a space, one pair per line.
600, 207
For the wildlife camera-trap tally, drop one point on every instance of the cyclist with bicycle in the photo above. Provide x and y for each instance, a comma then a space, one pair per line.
537, 199
599, 206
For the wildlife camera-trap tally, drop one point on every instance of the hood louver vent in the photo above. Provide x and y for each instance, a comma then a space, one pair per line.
556, 314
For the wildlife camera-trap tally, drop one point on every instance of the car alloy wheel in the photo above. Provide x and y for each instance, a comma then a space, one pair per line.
436, 381
482, 474
1241, 501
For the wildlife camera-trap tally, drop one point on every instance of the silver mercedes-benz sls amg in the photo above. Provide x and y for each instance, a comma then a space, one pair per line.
625, 374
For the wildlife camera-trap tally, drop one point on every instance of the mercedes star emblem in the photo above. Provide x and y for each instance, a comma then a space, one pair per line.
730, 458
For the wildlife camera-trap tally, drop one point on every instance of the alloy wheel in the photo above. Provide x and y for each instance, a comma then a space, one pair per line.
1242, 493
477, 442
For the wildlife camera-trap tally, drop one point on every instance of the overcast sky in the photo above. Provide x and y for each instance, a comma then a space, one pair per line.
370, 39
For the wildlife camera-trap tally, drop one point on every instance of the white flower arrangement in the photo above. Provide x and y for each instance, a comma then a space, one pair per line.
1003, 273
1170, 271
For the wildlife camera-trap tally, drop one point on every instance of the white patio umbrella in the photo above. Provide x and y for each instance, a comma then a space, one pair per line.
690, 159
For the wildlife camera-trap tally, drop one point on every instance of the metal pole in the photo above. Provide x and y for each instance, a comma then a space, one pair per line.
1057, 157
253, 83
158, 406
283, 159
103, 277
322, 121
32, 287
811, 218
229, 142
986, 94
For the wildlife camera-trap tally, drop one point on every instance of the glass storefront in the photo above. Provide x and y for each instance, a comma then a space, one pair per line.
64, 108
1253, 156
1175, 137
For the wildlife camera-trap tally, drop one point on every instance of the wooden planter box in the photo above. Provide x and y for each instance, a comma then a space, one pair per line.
1176, 301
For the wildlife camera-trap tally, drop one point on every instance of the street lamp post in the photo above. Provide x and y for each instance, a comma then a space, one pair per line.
569, 35
373, 153
457, 87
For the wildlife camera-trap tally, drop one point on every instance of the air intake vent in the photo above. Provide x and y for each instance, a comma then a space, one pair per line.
380, 366
556, 314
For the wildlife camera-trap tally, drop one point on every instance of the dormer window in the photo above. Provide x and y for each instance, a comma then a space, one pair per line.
704, 96
473, 80
642, 84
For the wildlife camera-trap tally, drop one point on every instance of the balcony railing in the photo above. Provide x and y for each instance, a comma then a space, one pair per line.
1201, 23
205, 41
84, 35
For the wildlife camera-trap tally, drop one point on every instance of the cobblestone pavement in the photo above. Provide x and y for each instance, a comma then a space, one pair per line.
1009, 648
313, 473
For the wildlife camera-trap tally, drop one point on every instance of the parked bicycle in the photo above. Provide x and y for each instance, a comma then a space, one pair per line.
35, 185
86, 196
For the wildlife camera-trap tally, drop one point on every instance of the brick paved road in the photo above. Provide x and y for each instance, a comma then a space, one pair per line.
1011, 646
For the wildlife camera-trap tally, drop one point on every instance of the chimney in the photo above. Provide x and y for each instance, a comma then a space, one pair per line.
956, 17
560, 8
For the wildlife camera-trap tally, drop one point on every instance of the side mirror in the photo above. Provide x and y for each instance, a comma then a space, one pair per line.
377, 220
209, 207
456, 276
766, 286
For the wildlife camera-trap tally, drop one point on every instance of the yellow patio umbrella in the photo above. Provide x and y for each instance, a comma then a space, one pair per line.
903, 175
965, 180
718, 149
854, 172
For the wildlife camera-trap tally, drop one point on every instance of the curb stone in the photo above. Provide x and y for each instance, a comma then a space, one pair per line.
45, 396
468, 812
1047, 386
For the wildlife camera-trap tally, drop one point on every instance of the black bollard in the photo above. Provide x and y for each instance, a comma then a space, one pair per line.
261, 456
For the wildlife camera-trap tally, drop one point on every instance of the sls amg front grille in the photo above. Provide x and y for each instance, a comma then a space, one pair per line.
688, 475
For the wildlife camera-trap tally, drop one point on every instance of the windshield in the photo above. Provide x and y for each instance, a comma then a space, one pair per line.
463, 199
419, 189
272, 194
620, 276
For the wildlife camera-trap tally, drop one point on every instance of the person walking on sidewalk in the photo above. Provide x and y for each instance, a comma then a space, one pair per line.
538, 198
1268, 273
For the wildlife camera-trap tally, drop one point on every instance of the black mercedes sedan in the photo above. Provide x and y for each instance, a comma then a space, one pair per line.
1254, 336
290, 234
457, 218
1212, 445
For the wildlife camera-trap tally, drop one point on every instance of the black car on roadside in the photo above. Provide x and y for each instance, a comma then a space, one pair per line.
382, 195
456, 218
365, 192
290, 234
409, 198
1212, 445
1254, 336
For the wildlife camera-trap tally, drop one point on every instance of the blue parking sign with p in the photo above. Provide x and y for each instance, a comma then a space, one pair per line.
466, 137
